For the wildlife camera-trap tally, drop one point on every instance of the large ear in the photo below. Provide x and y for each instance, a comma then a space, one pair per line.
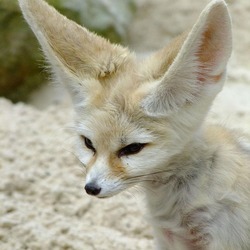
197, 63
73, 51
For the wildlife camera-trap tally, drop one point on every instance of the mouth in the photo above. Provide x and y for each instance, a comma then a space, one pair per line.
108, 194
103, 197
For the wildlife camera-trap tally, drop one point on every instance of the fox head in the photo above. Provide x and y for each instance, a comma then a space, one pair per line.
133, 115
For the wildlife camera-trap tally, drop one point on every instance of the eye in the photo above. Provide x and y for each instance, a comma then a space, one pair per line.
89, 143
131, 149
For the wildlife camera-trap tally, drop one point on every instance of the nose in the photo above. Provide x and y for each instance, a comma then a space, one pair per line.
92, 189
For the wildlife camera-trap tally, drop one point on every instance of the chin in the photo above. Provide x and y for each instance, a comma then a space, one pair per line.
110, 194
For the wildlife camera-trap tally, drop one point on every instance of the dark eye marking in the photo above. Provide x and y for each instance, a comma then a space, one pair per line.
131, 149
88, 143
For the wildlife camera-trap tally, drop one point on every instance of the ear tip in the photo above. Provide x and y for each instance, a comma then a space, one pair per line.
25, 5
22, 4
217, 4
217, 9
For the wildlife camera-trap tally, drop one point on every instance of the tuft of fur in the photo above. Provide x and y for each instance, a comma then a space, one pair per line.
195, 176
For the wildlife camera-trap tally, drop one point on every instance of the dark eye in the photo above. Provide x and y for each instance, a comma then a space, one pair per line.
89, 143
131, 149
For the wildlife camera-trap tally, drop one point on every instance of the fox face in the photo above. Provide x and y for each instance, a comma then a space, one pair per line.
131, 115
121, 146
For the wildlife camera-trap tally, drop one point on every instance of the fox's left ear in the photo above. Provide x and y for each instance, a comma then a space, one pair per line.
199, 66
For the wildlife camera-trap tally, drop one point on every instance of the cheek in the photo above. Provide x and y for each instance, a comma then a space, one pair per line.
146, 161
136, 164
117, 166
83, 154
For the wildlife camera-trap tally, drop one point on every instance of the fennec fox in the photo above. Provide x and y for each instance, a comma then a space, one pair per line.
141, 122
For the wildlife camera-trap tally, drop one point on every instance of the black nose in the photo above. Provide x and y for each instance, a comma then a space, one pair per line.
92, 189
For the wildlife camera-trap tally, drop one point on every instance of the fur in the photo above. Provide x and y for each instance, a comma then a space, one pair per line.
196, 177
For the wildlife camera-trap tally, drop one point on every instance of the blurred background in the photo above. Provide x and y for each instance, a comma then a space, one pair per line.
142, 25
21, 61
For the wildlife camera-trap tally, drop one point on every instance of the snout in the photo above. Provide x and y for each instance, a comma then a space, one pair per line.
92, 189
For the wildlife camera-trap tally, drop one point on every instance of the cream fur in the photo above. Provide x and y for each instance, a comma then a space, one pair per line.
196, 177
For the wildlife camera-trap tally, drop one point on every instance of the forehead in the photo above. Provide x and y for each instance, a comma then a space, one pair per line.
113, 115
111, 126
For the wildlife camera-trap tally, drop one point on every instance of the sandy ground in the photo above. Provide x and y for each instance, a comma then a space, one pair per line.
43, 204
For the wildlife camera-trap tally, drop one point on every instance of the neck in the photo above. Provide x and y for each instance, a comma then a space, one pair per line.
181, 173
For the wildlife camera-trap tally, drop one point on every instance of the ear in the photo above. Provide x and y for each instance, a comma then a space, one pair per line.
198, 67
74, 53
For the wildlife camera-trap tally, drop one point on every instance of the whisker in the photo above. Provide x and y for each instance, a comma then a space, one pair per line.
152, 175
80, 170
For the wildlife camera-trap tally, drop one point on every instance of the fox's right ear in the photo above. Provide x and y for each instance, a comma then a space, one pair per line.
192, 69
76, 55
